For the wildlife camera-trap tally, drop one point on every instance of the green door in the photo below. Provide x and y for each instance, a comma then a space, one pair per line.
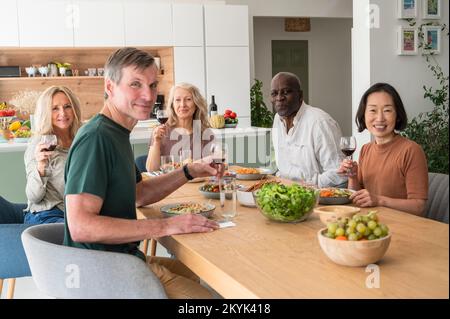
292, 56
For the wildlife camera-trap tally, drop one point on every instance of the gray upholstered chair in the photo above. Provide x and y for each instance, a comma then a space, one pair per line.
437, 204
66, 272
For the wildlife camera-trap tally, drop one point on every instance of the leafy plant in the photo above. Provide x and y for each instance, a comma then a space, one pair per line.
430, 129
261, 116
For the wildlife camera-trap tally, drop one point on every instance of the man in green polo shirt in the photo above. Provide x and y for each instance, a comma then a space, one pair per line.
103, 185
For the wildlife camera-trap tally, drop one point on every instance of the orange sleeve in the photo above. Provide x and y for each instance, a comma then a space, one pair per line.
416, 173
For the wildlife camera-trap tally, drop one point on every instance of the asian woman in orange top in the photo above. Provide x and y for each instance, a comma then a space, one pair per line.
392, 169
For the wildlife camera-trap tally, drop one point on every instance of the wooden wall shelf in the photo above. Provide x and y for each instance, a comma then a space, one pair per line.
89, 89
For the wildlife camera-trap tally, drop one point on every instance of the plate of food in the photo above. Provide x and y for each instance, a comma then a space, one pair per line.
249, 173
210, 190
205, 209
335, 196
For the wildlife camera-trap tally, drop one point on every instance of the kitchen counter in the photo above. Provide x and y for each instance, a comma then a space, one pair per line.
141, 135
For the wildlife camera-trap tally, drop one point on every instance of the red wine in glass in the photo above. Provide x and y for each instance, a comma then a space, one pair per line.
162, 119
348, 151
50, 148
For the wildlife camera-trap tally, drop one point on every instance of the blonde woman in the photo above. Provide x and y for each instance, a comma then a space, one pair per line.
186, 129
57, 113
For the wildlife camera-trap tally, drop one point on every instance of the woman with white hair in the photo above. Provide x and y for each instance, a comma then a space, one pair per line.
186, 129
57, 113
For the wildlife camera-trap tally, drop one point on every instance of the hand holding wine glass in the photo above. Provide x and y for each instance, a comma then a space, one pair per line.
348, 147
162, 116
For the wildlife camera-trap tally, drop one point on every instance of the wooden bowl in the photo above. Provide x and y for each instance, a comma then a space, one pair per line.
353, 253
329, 214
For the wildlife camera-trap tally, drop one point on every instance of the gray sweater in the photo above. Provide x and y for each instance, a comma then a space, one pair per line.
45, 192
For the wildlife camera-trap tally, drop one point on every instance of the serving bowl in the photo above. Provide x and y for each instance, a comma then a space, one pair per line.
288, 204
245, 198
330, 214
341, 196
353, 253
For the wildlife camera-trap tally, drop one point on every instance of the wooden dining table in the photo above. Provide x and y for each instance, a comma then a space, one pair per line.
259, 258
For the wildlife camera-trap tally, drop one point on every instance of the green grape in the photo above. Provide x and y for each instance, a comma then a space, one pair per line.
352, 224
357, 218
332, 228
353, 237
367, 232
373, 215
384, 229
377, 231
372, 224
361, 228
365, 219
359, 235
372, 237
340, 232
329, 235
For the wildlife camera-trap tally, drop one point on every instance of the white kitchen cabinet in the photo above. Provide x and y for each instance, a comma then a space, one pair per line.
228, 78
226, 25
147, 24
189, 66
187, 25
9, 35
45, 23
98, 23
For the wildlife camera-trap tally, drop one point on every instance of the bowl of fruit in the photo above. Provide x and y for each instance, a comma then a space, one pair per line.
285, 203
231, 120
357, 241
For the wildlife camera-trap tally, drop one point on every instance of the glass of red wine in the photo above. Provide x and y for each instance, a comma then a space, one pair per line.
219, 153
348, 147
162, 116
51, 141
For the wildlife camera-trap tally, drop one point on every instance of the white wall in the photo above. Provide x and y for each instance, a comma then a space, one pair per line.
407, 74
375, 57
329, 45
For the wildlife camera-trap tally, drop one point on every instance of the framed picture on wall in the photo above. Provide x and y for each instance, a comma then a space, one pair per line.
432, 39
406, 9
431, 9
407, 41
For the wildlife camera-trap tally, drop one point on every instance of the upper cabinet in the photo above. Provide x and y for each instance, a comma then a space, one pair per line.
45, 23
9, 34
226, 25
189, 66
98, 23
187, 25
148, 24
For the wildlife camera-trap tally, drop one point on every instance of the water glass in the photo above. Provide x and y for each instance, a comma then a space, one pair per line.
167, 163
185, 156
228, 206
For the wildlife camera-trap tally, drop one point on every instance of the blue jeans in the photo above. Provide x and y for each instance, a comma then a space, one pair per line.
54, 215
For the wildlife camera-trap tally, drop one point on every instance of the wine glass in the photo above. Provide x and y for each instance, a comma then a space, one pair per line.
185, 156
162, 116
348, 147
219, 153
51, 141
167, 163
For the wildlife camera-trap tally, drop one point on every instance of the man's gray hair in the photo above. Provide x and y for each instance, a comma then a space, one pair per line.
125, 57
291, 76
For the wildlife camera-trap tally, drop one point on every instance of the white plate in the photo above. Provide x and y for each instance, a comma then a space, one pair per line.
165, 210
250, 177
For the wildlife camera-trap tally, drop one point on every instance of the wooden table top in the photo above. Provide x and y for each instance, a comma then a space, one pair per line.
259, 258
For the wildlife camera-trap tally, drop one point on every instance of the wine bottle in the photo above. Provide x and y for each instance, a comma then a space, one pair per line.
212, 107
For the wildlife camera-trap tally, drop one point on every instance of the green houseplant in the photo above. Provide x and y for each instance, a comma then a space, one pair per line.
261, 116
430, 129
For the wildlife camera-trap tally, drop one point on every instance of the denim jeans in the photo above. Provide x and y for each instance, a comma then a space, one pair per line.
54, 215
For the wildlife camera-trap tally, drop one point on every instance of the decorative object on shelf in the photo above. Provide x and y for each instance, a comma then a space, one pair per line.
432, 39
31, 71
406, 9
63, 67
76, 72
431, 9
261, 116
92, 71
407, 41
297, 24
53, 68
100, 71
43, 70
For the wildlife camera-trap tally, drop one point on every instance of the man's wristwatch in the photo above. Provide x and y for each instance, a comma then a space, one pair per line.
186, 173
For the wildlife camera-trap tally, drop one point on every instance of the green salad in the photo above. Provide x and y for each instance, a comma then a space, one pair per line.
285, 203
